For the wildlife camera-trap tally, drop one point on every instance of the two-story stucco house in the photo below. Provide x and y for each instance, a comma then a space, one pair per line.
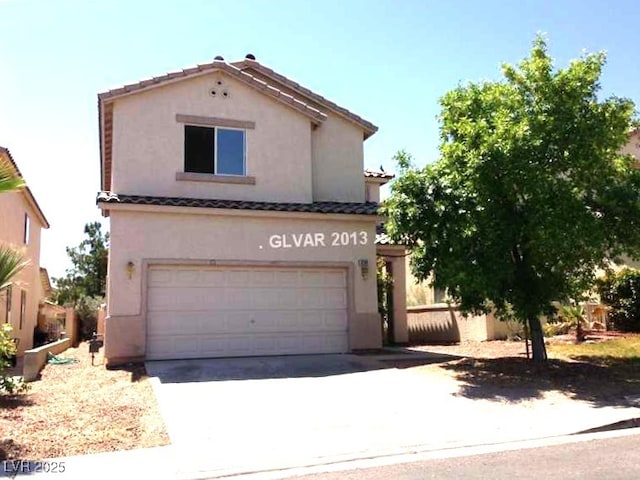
21, 222
241, 221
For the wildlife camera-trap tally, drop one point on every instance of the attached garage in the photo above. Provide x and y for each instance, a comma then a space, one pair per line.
227, 311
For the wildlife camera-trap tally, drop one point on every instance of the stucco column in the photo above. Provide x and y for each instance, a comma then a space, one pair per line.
400, 330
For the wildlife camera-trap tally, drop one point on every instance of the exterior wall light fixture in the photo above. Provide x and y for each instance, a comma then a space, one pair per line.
130, 268
363, 263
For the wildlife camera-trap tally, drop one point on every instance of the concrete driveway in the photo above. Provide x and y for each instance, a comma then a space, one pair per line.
231, 416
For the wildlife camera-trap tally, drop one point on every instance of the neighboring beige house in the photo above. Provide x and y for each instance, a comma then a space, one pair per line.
52, 318
241, 221
21, 222
633, 145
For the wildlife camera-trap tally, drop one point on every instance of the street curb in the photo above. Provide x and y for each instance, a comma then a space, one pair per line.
412, 454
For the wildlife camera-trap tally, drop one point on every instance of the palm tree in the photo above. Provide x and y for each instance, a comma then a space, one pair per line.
11, 263
9, 180
11, 260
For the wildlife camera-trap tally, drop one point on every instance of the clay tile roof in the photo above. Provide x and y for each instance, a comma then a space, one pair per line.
302, 105
233, 71
30, 198
368, 208
247, 64
377, 174
46, 282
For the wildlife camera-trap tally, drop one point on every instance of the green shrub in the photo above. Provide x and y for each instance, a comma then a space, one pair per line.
8, 384
557, 328
87, 314
621, 291
418, 294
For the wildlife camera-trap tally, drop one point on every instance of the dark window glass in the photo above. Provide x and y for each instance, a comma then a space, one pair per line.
230, 152
198, 149
23, 307
8, 292
27, 228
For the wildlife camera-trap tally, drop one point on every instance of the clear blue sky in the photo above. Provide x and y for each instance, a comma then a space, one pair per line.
389, 61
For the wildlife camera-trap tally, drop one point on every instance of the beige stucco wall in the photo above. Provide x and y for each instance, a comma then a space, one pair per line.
633, 145
337, 152
13, 206
36, 359
372, 192
439, 323
200, 235
148, 142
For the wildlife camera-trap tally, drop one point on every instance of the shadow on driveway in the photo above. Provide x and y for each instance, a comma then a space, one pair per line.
294, 366
603, 382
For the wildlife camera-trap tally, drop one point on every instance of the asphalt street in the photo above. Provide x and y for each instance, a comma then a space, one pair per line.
610, 459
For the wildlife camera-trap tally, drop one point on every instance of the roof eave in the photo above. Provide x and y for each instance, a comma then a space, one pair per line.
101, 137
26, 191
315, 115
368, 128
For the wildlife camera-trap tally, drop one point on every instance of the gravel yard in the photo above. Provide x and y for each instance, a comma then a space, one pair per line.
79, 409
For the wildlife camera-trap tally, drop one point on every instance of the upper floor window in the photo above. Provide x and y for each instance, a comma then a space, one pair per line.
7, 313
23, 307
214, 150
27, 228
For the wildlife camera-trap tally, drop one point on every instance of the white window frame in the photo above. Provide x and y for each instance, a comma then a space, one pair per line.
215, 151
27, 229
216, 129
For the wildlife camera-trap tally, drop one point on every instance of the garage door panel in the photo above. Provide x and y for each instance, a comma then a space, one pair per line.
263, 277
335, 279
238, 277
188, 323
162, 299
217, 346
312, 297
312, 279
159, 277
212, 278
234, 298
335, 298
240, 311
234, 322
185, 346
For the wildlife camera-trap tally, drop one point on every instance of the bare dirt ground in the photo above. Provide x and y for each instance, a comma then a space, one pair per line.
80, 409
589, 371
510, 348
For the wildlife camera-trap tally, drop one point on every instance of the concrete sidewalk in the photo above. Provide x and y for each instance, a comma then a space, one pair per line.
271, 424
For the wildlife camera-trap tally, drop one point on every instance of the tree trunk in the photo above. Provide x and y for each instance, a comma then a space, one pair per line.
538, 348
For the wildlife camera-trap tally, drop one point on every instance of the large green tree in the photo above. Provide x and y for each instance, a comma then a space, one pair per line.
530, 193
88, 275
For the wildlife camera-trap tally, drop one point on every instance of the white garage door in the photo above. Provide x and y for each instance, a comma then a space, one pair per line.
199, 312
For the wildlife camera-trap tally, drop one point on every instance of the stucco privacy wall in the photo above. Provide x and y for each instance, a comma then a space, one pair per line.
148, 142
197, 234
13, 206
337, 150
441, 323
